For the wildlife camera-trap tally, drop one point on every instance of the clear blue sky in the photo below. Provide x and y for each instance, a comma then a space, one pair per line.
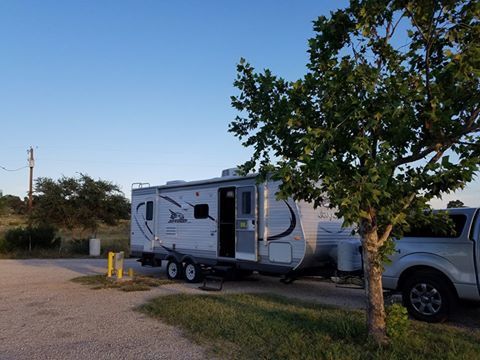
132, 91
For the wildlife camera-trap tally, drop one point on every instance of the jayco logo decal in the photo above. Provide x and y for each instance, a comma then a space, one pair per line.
177, 217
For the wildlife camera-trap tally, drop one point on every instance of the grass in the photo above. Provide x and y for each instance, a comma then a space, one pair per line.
137, 283
248, 326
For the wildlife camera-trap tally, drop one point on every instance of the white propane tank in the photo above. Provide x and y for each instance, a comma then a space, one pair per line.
349, 258
94, 247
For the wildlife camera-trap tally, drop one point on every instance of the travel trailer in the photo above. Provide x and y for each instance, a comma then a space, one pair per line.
234, 221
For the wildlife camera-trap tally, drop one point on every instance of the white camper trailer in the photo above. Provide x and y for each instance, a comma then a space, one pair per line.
232, 221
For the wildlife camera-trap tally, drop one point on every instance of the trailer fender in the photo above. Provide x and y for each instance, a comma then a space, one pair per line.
188, 258
175, 257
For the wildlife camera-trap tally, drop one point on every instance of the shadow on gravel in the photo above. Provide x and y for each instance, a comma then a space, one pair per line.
87, 266
82, 266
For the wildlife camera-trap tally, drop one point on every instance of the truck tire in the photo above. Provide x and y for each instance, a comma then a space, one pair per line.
174, 270
192, 272
428, 297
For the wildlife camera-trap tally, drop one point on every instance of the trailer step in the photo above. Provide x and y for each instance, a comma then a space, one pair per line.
212, 283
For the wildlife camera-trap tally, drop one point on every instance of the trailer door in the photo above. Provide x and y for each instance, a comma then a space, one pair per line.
246, 247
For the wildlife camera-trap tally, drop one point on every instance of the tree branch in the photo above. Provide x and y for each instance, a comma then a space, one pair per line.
414, 157
396, 24
468, 143
470, 127
473, 117
438, 155
385, 235
416, 24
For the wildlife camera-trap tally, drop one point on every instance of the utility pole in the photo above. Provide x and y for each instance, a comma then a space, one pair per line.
31, 164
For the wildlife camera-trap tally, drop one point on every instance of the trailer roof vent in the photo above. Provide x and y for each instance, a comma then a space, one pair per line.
230, 172
176, 182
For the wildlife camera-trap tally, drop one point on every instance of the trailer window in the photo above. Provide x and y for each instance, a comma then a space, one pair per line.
200, 211
458, 220
246, 203
149, 211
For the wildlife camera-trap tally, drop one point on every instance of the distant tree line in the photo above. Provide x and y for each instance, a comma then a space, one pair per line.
12, 204
455, 204
70, 203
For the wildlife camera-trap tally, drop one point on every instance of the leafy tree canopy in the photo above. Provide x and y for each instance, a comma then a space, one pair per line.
385, 119
455, 204
80, 202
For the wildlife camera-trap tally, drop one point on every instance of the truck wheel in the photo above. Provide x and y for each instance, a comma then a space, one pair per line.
192, 272
174, 270
428, 297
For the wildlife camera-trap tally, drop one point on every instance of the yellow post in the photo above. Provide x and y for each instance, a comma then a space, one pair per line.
130, 272
118, 264
110, 263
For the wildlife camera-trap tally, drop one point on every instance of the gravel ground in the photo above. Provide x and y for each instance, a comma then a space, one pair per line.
43, 315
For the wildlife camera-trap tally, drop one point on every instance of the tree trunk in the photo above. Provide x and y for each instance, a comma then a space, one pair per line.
373, 287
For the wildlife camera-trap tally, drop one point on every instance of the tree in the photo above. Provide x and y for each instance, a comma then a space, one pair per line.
455, 204
79, 203
3, 205
385, 119
13, 204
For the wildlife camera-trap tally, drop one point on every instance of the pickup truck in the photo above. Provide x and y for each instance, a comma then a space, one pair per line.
434, 270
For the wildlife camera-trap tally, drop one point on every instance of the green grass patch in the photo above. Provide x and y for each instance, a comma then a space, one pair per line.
137, 283
254, 326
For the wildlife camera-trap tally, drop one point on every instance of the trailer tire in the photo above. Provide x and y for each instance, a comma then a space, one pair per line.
428, 297
192, 272
174, 270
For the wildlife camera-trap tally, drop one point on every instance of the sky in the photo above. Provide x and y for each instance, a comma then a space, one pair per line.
139, 91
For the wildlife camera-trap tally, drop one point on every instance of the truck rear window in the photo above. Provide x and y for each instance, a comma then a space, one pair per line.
458, 220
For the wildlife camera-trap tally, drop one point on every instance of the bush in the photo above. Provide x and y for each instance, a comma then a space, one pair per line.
116, 245
79, 246
397, 321
3, 247
35, 237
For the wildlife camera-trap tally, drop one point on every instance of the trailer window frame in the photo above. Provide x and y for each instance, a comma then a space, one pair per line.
201, 211
246, 205
149, 210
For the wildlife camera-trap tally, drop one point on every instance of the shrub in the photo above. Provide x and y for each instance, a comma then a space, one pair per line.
398, 323
79, 246
36, 237
2, 245
116, 245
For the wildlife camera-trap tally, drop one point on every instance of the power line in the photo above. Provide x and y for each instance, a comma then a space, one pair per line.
4, 168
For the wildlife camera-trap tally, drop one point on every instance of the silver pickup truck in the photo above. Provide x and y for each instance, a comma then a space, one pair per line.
433, 270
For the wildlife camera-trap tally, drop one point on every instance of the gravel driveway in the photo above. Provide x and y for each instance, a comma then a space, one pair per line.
43, 315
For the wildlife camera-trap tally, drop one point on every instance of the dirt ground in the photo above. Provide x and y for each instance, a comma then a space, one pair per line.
43, 315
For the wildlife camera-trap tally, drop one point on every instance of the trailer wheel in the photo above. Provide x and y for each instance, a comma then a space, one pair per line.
192, 272
174, 270
427, 297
